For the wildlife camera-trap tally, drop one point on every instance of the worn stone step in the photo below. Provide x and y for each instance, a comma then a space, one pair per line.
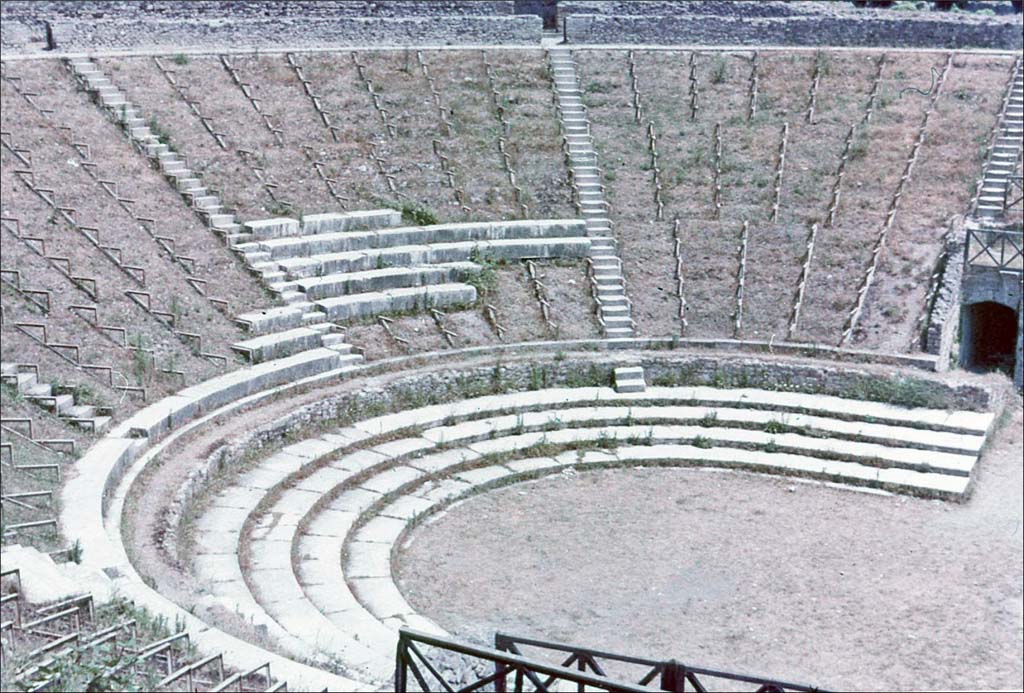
38, 390
59, 403
253, 256
221, 221
293, 297
384, 279
629, 379
84, 67
376, 258
350, 241
80, 411
18, 380
278, 344
95, 423
276, 318
415, 299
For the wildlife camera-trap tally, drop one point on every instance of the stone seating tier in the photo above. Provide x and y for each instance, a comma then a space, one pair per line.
343, 500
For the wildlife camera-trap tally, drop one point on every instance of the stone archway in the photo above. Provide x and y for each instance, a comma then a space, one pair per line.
989, 338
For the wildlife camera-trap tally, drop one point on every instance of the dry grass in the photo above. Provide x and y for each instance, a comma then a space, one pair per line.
947, 168
57, 165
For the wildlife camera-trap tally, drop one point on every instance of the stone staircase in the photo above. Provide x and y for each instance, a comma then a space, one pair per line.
1005, 151
25, 379
608, 284
187, 182
352, 265
221, 222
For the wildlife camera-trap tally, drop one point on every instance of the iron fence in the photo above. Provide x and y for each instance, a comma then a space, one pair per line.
669, 675
584, 669
1001, 249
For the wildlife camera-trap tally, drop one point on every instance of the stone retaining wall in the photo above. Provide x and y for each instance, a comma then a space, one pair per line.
51, 10
760, 8
418, 389
870, 30
292, 31
944, 317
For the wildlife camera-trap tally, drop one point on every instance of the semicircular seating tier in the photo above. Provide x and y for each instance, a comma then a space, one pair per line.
330, 268
320, 520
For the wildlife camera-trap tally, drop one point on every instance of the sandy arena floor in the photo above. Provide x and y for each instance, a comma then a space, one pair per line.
770, 576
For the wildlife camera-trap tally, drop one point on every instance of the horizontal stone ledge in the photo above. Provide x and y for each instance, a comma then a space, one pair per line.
367, 239
171, 412
103, 466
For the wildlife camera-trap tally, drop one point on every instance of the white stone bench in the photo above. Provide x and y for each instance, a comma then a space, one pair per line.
286, 227
279, 344
366, 572
299, 339
275, 318
363, 239
344, 284
413, 299
371, 609
376, 258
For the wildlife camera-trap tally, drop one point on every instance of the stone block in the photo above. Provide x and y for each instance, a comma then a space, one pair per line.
278, 344
278, 227
413, 299
333, 222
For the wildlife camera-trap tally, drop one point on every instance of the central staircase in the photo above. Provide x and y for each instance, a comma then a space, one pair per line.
607, 282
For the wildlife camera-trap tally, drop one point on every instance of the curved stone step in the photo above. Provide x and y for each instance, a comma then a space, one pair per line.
413, 299
419, 235
344, 284
377, 258
439, 452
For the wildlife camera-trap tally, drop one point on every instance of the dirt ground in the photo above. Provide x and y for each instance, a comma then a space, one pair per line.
56, 164
803, 582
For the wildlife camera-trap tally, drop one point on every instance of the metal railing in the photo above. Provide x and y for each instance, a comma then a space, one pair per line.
414, 667
584, 667
1000, 249
669, 675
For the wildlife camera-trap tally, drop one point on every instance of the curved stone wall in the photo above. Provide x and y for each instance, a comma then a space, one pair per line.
94, 499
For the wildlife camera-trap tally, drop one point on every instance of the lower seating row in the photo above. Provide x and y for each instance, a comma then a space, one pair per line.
319, 521
342, 267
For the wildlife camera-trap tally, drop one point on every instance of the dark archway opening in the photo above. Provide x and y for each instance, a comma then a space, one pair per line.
546, 9
989, 338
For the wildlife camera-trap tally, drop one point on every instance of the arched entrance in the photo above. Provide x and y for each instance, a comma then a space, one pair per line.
989, 337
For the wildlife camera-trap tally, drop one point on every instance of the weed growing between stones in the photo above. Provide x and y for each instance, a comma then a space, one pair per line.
702, 443
162, 136
420, 216
142, 365
486, 280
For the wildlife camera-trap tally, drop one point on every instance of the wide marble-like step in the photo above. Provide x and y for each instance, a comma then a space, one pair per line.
320, 552
371, 267
462, 251
351, 240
